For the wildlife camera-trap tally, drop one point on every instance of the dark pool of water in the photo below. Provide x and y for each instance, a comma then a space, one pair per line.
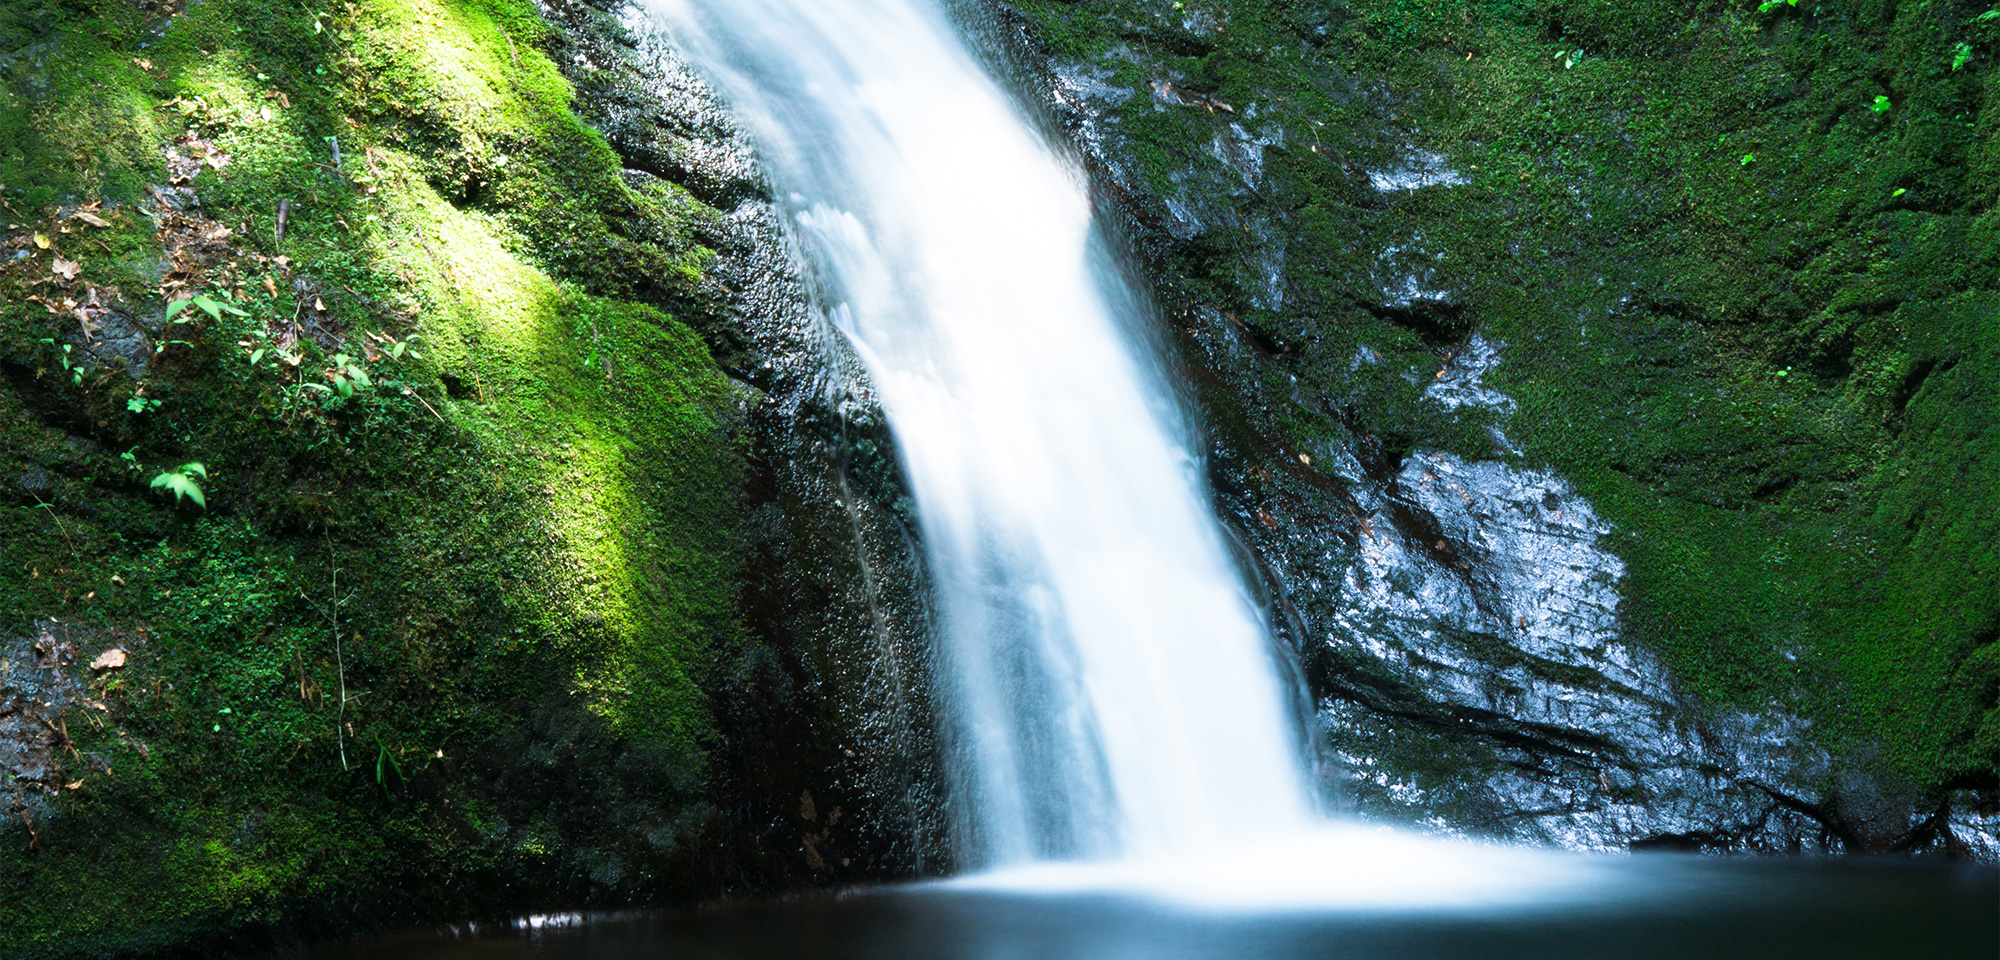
1675, 908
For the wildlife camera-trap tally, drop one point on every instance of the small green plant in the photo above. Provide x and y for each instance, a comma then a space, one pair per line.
1769, 5
347, 373
386, 765
215, 306
1881, 104
142, 405
63, 350
182, 483
1747, 159
1960, 56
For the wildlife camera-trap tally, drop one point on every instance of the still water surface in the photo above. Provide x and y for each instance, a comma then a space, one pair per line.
1649, 907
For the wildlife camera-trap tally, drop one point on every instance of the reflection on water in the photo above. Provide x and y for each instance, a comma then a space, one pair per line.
1663, 907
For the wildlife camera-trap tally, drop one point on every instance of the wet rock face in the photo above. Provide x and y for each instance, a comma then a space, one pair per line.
830, 771
49, 680
1457, 610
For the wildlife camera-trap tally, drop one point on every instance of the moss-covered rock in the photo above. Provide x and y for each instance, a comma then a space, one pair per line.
446, 632
1739, 269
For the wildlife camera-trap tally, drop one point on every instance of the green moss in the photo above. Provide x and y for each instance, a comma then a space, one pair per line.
526, 534
1749, 316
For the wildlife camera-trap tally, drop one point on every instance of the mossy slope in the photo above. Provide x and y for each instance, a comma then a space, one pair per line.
524, 521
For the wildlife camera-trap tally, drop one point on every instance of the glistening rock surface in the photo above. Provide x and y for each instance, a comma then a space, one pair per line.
1552, 415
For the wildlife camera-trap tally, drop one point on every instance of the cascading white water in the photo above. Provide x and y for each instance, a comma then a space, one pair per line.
1111, 688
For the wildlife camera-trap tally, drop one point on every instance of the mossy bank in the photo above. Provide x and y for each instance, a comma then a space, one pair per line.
443, 633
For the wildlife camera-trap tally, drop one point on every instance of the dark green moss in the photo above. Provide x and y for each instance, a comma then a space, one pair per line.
1750, 315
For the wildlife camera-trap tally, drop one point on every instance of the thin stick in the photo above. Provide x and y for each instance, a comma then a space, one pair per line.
340, 663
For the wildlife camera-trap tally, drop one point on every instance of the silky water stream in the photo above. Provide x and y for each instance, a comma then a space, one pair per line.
1127, 767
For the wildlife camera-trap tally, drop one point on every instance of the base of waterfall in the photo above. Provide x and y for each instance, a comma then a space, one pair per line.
1339, 867
1341, 893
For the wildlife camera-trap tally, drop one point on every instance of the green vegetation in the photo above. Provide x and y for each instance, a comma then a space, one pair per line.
181, 483
447, 612
1743, 263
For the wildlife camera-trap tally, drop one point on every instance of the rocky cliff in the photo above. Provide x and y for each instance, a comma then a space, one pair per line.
1603, 391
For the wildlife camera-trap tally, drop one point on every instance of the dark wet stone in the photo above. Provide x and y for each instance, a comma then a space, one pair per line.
832, 700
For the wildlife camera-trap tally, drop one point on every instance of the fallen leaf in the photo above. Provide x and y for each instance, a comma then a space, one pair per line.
66, 269
319, 305
264, 112
91, 218
143, 64
282, 261
284, 101
74, 785
41, 241
270, 287
218, 160
110, 659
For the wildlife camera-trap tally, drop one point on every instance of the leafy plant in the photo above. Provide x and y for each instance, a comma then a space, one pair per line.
1962, 54
1881, 104
215, 306
182, 483
346, 374
142, 405
75, 370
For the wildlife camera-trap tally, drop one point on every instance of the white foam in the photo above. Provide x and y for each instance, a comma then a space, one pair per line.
1331, 868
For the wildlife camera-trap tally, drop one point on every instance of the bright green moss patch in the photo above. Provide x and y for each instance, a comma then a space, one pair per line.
512, 545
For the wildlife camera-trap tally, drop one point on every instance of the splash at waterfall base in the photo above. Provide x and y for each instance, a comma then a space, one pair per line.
1656, 907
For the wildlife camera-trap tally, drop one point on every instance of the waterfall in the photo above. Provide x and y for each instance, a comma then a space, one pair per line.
1110, 689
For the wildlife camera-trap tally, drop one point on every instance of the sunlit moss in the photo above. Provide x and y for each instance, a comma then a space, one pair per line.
532, 549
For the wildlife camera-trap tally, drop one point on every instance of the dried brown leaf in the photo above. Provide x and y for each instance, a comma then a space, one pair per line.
66, 269
110, 659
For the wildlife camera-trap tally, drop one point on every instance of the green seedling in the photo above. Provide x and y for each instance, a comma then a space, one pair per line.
214, 306
182, 483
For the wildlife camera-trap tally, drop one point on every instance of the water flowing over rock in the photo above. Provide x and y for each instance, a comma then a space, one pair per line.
1105, 685
1457, 614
